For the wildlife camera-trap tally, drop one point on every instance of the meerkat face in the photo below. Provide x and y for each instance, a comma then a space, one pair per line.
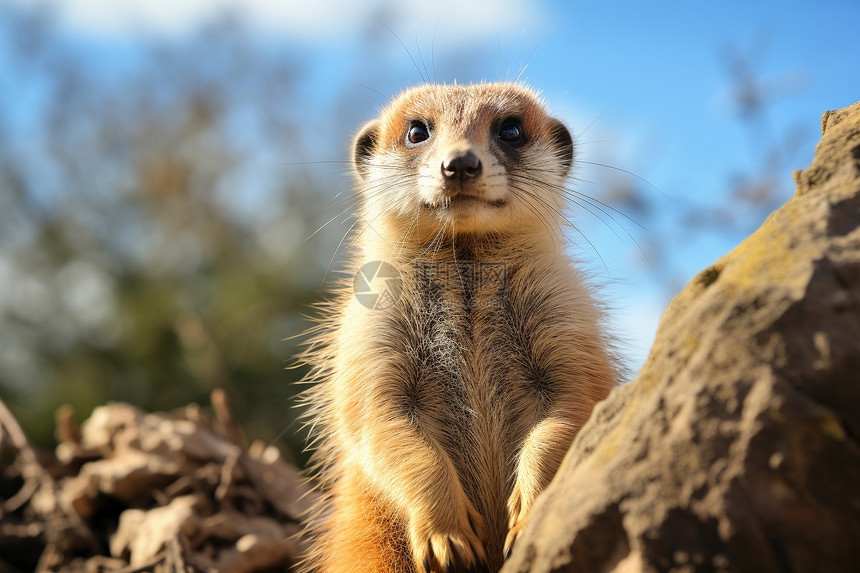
464, 159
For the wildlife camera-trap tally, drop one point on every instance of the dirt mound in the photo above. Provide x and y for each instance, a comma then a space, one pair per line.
132, 491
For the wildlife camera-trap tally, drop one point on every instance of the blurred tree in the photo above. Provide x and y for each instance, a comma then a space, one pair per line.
144, 254
761, 187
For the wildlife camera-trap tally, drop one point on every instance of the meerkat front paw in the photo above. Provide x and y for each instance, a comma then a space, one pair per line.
440, 547
519, 504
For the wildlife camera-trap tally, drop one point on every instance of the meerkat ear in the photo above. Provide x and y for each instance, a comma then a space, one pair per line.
563, 142
362, 147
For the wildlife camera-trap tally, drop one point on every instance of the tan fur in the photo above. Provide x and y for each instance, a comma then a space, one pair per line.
438, 421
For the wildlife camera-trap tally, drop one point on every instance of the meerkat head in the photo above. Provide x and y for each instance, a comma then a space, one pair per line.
473, 159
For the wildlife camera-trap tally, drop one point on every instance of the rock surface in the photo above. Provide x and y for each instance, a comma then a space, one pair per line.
737, 447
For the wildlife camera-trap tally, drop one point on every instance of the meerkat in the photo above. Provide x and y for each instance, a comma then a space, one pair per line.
441, 411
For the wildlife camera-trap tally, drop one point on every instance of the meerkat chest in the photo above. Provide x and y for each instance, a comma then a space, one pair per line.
487, 329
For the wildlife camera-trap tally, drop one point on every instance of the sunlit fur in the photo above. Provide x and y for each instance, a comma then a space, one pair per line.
438, 420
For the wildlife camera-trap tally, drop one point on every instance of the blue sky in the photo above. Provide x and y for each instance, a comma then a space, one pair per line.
648, 80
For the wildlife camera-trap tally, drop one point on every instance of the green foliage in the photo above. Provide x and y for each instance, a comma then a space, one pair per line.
132, 267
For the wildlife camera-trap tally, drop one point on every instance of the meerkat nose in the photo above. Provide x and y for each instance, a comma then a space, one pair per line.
462, 165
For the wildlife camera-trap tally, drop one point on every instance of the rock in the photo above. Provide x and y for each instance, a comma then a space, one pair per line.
132, 473
142, 535
162, 492
736, 447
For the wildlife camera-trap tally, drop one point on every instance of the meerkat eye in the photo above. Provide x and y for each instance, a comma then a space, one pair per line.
511, 131
417, 133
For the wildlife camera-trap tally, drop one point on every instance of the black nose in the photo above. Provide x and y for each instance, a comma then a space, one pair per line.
463, 165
